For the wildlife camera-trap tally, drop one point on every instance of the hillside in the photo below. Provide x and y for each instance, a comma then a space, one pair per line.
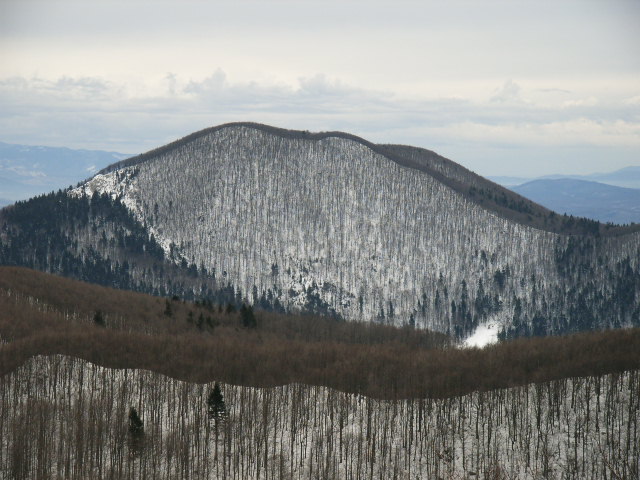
301, 395
63, 416
43, 314
334, 225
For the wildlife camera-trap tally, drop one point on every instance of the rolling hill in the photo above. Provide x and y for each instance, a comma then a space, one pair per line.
300, 394
331, 224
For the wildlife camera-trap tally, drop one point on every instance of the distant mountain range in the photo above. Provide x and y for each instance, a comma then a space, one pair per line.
628, 177
581, 198
606, 197
26, 171
332, 224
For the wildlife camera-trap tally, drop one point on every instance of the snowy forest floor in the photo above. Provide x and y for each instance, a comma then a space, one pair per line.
62, 417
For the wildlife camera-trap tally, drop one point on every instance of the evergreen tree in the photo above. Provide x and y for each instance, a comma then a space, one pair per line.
136, 432
216, 407
98, 318
247, 317
136, 427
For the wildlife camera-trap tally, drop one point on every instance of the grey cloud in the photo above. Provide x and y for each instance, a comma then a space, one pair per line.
213, 84
321, 86
84, 86
88, 112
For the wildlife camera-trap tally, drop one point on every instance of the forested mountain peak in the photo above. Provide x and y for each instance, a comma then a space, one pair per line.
332, 224
474, 187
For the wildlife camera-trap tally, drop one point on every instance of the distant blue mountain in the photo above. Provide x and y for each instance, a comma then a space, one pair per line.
628, 177
582, 198
27, 171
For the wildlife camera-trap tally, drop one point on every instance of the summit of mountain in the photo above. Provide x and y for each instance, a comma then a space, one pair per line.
480, 190
331, 224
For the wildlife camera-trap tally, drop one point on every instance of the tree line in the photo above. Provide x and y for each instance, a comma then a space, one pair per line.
264, 348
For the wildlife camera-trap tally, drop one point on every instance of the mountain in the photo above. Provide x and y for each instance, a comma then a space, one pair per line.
331, 224
628, 177
581, 198
26, 171
507, 181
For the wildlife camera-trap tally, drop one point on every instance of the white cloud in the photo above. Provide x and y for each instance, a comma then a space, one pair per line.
508, 93
633, 100
581, 102
92, 112
579, 131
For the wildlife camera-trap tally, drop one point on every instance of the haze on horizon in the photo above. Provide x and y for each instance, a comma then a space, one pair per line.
505, 88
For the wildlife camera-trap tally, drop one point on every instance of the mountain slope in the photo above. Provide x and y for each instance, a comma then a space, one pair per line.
75, 357
70, 417
581, 198
332, 224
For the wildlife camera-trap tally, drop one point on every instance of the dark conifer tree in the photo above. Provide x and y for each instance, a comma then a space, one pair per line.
98, 318
136, 427
247, 317
216, 407
136, 432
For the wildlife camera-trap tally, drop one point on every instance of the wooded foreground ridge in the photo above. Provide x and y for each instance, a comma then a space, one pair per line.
200, 343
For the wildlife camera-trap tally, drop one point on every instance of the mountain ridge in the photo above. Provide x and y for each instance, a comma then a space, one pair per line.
480, 190
332, 227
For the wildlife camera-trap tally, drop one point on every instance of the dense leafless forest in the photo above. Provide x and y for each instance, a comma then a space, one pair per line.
303, 397
332, 225
338, 399
44, 314
68, 418
310, 295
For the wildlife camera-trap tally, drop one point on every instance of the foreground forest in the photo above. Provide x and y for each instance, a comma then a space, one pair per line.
103, 383
66, 418
41, 314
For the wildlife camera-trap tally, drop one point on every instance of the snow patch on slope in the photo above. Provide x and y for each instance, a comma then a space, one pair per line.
484, 334
121, 184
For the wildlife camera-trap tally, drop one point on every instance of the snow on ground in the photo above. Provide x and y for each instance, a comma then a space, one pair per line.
484, 334
69, 418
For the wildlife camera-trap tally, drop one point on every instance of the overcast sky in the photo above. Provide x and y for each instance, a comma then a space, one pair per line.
502, 87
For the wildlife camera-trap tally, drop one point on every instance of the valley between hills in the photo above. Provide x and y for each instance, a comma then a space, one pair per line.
252, 302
